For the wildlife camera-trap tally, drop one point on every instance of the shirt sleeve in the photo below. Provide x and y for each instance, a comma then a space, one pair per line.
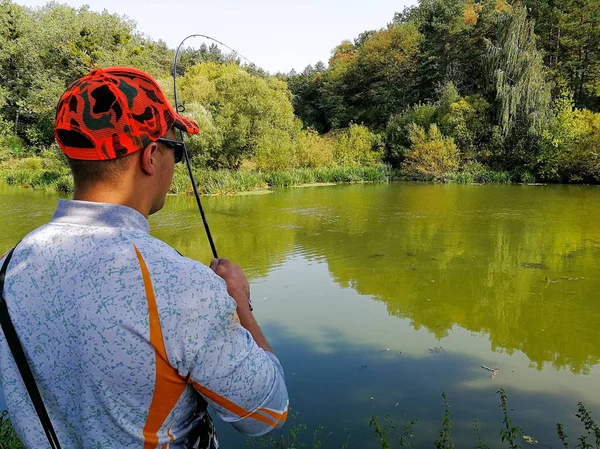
243, 383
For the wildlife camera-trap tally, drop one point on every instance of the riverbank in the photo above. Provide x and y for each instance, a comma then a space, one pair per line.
48, 175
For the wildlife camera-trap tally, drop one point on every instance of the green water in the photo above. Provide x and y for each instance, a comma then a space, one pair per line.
377, 298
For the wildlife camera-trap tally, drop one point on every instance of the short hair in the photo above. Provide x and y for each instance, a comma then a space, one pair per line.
86, 173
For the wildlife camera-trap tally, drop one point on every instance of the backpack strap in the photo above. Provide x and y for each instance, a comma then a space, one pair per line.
19, 355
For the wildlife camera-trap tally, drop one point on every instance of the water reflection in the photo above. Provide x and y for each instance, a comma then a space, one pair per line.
347, 359
343, 389
517, 263
500, 260
357, 283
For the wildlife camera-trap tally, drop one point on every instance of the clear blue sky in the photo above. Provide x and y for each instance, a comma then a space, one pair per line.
277, 35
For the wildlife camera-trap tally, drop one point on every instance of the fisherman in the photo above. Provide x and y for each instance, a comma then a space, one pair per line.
128, 340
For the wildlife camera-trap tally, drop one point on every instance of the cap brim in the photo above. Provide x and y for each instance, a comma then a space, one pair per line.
186, 124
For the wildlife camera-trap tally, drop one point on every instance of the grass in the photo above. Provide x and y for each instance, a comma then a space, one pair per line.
225, 182
8, 437
489, 177
49, 173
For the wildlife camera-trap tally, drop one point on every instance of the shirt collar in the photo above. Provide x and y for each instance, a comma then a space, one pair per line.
109, 215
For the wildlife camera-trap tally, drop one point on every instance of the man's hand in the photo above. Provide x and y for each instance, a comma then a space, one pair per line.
237, 284
239, 289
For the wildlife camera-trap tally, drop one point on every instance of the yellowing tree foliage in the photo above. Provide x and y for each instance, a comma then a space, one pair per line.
432, 155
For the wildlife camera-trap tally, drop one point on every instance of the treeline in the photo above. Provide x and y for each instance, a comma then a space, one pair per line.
450, 89
246, 115
464, 85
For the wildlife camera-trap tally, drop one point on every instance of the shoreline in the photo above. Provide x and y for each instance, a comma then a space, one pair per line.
230, 183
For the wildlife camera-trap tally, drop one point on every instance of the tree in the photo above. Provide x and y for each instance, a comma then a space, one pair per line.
368, 81
398, 131
248, 115
570, 36
453, 48
335, 86
42, 50
307, 99
18, 62
518, 78
385, 75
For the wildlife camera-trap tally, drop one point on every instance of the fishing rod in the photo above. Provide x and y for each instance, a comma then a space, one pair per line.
185, 151
180, 109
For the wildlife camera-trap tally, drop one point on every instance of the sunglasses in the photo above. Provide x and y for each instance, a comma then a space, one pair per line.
175, 145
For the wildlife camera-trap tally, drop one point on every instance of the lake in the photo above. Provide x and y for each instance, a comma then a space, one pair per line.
379, 297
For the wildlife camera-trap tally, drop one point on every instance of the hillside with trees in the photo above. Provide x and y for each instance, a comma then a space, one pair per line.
449, 90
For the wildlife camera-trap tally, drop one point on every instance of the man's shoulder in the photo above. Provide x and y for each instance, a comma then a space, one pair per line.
163, 257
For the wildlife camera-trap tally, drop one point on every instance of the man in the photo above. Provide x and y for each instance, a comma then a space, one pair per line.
128, 340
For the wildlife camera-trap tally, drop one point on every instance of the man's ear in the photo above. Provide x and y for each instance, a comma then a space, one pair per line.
148, 158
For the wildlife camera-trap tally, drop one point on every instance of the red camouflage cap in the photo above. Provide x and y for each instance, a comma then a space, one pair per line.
113, 112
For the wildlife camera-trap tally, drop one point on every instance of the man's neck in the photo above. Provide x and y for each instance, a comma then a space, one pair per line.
100, 194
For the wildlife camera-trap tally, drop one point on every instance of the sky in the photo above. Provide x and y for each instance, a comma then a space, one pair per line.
277, 35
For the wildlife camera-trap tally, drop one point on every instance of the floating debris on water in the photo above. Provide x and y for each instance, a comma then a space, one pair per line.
562, 278
493, 370
437, 350
377, 256
530, 440
537, 266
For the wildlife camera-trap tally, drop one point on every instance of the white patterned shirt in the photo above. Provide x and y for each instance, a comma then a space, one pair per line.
122, 333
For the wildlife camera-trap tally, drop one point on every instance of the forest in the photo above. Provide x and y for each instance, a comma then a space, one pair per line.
448, 90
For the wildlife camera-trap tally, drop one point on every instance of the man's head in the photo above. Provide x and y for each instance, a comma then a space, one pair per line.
110, 124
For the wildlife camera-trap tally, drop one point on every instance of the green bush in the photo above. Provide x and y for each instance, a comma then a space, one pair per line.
571, 144
357, 146
8, 436
279, 179
30, 163
313, 150
397, 134
465, 120
10, 146
275, 150
431, 155
65, 184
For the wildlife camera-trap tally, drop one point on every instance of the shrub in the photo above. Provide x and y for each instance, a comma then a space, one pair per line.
313, 150
466, 122
10, 145
571, 144
357, 146
397, 134
275, 150
431, 154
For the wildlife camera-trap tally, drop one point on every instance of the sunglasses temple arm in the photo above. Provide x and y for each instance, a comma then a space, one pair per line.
204, 221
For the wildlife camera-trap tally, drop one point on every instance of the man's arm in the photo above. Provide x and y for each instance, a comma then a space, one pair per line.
237, 372
239, 289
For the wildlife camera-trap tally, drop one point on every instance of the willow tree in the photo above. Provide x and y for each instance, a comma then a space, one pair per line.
518, 77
